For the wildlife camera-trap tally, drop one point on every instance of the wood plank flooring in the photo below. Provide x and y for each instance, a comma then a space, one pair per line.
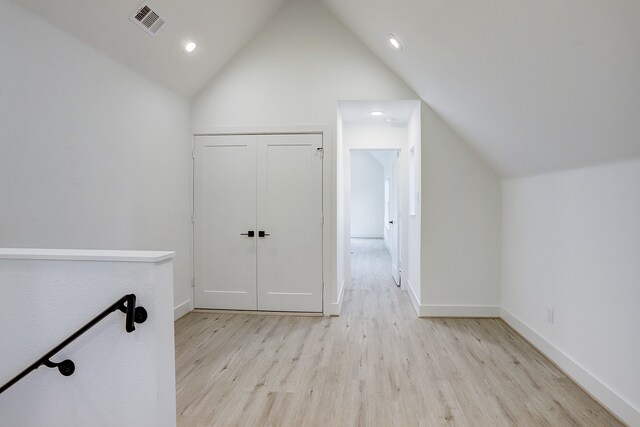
376, 365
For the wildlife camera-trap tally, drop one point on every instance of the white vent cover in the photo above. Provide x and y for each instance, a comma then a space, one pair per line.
147, 19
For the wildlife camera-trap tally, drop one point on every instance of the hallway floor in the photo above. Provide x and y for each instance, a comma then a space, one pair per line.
376, 365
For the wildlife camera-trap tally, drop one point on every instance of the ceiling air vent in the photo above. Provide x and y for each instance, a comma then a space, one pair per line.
147, 19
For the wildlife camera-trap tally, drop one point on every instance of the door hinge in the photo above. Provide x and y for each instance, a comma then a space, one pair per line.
193, 218
193, 282
193, 154
322, 219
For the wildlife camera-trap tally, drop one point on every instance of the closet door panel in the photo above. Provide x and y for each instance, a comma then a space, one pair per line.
289, 260
225, 209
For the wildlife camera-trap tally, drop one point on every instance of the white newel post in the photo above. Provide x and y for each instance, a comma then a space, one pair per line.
120, 378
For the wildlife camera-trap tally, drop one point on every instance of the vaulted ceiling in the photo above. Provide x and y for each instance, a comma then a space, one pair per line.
533, 85
221, 28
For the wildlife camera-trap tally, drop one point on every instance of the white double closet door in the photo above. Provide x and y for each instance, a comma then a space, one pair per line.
258, 222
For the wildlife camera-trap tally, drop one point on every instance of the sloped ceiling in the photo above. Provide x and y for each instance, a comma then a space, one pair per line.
534, 85
220, 28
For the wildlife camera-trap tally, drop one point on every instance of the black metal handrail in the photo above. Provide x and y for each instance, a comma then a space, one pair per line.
126, 304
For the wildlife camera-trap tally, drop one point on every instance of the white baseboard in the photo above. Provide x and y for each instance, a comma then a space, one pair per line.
367, 237
592, 385
182, 309
335, 308
414, 298
445, 310
442, 310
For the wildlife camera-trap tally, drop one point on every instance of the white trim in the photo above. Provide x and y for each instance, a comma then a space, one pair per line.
182, 309
260, 130
592, 385
335, 308
414, 298
85, 255
443, 310
446, 310
329, 244
259, 312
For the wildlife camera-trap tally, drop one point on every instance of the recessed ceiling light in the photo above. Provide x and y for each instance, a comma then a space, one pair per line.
394, 42
190, 47
377, 113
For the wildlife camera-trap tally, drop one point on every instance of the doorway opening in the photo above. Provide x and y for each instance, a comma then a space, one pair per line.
375, 215
378, 184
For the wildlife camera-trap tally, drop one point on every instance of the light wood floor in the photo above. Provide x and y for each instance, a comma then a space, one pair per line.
376, 365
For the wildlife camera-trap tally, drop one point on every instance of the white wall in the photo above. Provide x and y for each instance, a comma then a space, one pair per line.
367, 196
120, 378
461, 226
292, 74
572, 243
91, 155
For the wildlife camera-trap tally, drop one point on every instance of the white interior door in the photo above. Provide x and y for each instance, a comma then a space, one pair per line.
224, 210
290, 215
394, 222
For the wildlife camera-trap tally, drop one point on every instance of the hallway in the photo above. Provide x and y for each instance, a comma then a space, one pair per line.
373, 293
376, 365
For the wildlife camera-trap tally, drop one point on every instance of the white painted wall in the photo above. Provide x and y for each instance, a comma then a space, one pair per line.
91, 155
124, 379
572, 243
292, 74
367, 196
461, 225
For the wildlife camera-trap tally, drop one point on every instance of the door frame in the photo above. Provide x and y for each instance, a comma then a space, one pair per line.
330, 303
397, 189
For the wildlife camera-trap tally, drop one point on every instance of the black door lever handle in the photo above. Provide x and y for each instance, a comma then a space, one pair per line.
249, 233
262, 234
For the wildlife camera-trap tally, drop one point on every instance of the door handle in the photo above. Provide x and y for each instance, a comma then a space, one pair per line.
262, 234
249, 233
390, 222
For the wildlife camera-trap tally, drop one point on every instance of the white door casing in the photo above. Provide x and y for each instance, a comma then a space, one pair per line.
394, 230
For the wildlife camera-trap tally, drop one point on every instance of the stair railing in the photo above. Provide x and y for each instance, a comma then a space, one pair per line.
126, 304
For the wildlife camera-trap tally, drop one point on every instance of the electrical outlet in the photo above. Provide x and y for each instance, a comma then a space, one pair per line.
550, 314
